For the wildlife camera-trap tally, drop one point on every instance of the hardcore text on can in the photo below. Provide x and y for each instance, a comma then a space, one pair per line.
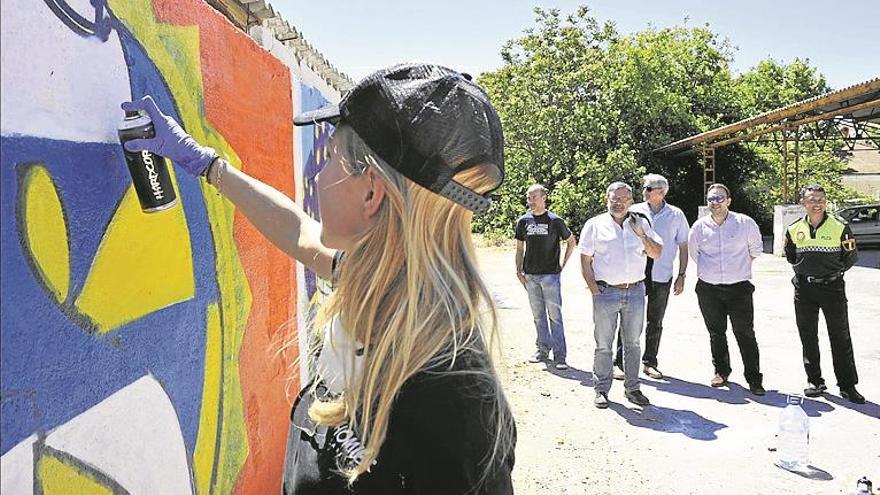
149, 171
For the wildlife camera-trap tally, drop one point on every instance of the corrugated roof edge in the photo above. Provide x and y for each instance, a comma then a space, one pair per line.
247, 13
782, 112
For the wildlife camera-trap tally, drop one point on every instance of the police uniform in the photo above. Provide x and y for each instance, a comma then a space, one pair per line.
819, 257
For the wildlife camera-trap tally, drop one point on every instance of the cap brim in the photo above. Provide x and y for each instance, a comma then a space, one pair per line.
326, 114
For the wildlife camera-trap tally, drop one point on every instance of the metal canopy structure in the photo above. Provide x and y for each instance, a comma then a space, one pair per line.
851, 114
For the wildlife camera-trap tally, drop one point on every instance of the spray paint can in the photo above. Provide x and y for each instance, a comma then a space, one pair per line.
149, 171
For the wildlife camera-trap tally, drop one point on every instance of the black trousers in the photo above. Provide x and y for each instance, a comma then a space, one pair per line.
809, 298
658, 297
720, 302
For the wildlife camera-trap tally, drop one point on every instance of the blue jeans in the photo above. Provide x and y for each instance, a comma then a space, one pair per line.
545, 298
609, 306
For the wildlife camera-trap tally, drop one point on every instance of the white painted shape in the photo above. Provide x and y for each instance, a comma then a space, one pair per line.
17, 468
57, 84
83, 8
132, 436
313, 79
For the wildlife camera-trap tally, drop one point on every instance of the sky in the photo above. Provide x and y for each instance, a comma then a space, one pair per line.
839, 37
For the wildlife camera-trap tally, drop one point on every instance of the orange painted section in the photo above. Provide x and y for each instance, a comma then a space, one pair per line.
248, 99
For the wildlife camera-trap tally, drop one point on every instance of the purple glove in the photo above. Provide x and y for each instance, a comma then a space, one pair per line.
171, 140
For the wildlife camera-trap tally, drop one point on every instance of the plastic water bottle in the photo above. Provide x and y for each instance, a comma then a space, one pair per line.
794, 436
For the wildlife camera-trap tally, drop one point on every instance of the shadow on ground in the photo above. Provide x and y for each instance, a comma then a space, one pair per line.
811, 472
734, 393
870, 409
668, 420
584, 377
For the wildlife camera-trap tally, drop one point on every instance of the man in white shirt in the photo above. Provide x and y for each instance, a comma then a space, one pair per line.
614, 248
672, 226
724, 245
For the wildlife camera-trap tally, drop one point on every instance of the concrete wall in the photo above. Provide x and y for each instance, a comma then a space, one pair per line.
140, 352
783, 216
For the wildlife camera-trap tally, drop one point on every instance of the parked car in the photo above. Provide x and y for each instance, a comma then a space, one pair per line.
864, 220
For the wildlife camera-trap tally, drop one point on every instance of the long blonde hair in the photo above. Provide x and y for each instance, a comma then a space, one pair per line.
411, 294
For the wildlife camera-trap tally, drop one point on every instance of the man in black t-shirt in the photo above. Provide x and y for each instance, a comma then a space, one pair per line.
538, 234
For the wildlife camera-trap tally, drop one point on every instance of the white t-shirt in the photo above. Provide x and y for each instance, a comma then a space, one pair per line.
341, 358
618, 253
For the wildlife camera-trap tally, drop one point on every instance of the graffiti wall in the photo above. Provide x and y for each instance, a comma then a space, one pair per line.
141, 353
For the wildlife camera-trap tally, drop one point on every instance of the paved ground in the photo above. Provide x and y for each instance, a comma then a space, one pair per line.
693, 439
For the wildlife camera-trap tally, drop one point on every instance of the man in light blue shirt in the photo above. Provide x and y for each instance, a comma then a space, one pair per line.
723, 245
670, 223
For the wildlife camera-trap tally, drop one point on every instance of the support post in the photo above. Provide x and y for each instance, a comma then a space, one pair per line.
708, 154
797, 163
785, 195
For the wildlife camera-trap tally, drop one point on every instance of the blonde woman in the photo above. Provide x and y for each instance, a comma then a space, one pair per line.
405, 398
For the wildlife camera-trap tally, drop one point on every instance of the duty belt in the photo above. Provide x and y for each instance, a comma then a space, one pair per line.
822, 280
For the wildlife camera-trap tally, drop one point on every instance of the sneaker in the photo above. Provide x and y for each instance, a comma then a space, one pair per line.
538, 357
815, 390
852, 395
757, 389
718, 381
617, 373
637, 398
561, 365
601, 400
653, 372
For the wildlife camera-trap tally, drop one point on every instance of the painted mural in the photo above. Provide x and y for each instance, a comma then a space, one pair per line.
140, 351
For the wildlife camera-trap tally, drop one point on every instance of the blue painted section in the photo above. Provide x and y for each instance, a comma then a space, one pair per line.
53, 368
312, 99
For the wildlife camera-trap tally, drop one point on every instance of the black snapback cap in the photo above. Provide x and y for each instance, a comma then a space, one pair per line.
426, 121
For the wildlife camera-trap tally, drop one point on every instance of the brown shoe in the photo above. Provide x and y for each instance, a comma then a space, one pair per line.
653, 372
617, 373
718, 381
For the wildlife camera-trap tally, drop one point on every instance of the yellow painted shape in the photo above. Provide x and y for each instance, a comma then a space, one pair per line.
59, 478
206, 443
175, 52
46, 231
144, 264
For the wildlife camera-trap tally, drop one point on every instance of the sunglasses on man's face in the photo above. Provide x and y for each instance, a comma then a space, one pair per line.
649, 188
716, 199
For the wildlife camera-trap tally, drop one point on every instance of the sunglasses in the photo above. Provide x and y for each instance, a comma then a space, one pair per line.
716, 199
649, 188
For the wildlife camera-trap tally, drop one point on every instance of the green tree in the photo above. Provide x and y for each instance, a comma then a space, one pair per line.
583, 106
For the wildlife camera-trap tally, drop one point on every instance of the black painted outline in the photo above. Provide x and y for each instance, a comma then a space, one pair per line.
42, 450
99, 28
67, 306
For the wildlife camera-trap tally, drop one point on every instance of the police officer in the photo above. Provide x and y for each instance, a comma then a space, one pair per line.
821, 248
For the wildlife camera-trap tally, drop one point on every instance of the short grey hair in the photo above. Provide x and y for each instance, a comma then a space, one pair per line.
617, 185
656, 180
537, 187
